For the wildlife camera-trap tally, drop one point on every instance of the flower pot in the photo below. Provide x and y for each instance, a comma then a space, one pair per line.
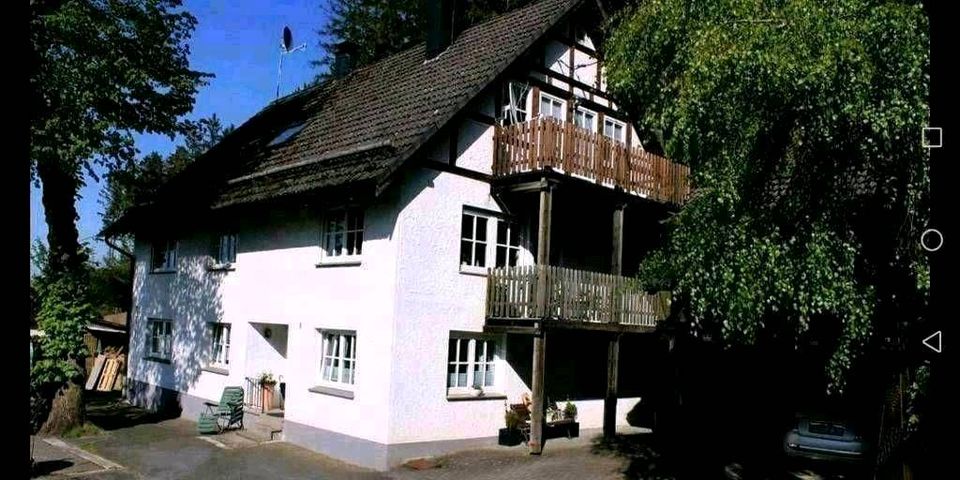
266, 396
561, 429
510, 437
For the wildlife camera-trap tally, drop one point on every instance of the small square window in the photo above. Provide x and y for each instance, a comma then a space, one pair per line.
472, 363
614, 129
163, 256
553, 107
220, 345
342, 237
159, 338
225, 249
338, 364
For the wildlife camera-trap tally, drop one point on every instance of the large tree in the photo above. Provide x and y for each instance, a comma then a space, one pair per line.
380, 28
103, 70
134, 181
800, 121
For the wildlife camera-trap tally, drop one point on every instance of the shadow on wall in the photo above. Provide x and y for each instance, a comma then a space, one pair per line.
191, 299
576, 364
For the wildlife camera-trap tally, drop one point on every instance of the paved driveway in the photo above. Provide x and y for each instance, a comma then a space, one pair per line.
171, 449
136, 445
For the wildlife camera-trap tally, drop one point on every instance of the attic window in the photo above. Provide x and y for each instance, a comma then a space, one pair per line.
287, 134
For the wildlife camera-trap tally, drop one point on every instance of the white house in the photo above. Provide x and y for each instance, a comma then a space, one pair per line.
398, 245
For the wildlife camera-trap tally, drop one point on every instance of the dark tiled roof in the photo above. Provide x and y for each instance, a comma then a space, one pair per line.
397, 103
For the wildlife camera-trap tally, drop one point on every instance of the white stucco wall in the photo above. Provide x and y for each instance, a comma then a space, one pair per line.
277, 281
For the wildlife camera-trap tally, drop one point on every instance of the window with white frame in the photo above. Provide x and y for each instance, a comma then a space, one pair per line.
342, 237
339, 363
163, 256
585, 119
551, 106
472, 363
486, 236
508, 244
225, 251
615, 129
220, 345
515, 104
473, 240
159, 338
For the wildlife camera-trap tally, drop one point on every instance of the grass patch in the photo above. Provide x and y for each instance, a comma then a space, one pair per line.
85, 430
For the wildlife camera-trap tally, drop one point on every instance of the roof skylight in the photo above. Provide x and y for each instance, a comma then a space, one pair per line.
287, 134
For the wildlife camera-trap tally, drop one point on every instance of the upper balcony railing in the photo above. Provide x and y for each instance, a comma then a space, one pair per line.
572, 296
548, 142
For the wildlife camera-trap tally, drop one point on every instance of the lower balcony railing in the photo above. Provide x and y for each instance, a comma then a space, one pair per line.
572, 295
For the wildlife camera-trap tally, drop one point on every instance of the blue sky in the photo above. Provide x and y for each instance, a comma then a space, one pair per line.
238, 41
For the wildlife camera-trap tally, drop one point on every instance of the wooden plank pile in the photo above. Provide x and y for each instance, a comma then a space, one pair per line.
108, 371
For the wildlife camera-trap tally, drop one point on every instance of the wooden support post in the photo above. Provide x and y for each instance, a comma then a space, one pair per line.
616, 260
610, 401
613, 348
536, 415
539, 341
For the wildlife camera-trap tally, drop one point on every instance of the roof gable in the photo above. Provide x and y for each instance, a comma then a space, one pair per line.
396, 104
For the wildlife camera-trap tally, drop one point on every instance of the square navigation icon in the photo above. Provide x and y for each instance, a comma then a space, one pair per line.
932, 137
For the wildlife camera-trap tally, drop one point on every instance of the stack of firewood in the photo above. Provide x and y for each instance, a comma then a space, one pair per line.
108, 371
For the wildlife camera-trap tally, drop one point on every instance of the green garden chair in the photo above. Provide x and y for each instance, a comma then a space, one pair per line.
221, 416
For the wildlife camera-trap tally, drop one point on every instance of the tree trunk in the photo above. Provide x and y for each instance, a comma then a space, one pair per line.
60, 187
66, 411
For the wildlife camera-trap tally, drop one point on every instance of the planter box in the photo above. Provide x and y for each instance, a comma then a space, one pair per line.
561, 429
510, 437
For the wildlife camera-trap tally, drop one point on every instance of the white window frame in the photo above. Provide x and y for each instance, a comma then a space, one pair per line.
474, 240
340, 356
513, 231
471, 341
221, 358
615, 122
165, 341
170, 248
494, 222
585, 111
224, 241
345, 214
551, 98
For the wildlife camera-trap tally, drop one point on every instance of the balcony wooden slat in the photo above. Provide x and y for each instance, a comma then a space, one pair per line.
572, 296
547, 142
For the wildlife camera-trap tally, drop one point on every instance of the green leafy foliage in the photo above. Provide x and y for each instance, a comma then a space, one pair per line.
102, 71
800, 121
380, 28
63, 311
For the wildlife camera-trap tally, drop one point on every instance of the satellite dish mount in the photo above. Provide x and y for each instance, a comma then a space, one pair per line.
285, 49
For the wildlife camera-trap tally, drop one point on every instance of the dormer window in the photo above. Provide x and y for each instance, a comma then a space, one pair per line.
286, 135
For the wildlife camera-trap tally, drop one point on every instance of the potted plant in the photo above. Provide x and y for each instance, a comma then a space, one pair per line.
515, 418
570, 411
267, 386
562, 422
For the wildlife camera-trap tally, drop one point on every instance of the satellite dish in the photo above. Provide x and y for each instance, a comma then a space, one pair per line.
287, 38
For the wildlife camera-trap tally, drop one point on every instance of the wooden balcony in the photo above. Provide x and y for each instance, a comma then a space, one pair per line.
573, 297
546, 142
